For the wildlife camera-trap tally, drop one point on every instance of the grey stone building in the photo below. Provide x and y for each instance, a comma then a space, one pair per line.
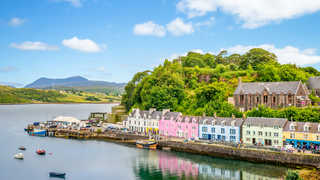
314, 84
271, 94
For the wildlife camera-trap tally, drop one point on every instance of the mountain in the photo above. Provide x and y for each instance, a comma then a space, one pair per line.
11, 84
76, 81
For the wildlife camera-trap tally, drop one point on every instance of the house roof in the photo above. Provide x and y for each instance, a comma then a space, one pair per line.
299, 127
271, 87
149, 114
265, 122
170, 115
218, 121
314, 83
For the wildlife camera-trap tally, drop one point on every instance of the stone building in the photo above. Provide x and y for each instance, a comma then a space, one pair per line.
271, 94
314, 84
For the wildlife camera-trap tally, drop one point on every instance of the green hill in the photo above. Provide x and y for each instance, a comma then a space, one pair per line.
199, 84
9, 95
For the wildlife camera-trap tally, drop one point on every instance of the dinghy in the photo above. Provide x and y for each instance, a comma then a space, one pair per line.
22, 148
56, 174
18, 156
41, 152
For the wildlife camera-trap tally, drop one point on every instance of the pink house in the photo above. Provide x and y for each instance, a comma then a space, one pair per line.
173, 124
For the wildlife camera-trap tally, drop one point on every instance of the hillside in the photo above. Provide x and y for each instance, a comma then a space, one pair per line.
198, 84
9, 95
78, 83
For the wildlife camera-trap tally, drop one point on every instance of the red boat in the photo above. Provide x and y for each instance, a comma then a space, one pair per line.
41, 152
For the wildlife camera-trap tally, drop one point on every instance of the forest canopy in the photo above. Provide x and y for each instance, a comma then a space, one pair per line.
198, 84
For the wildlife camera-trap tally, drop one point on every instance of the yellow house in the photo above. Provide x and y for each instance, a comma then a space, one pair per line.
302, 134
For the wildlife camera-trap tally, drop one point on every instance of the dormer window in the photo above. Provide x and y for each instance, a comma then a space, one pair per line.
319, 128
223, 123
306, 127
233, 123
213, 122
292, 127
204, 121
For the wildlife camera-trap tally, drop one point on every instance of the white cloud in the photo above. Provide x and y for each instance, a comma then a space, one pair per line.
253, 13
288, 54
16, 21
85, 45
178, 28
208, 22
33, 46
75, 3
149, 29
101, 69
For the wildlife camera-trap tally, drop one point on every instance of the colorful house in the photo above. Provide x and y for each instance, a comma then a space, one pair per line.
263, 131
302, 134
220, 129
146, 122
173, 124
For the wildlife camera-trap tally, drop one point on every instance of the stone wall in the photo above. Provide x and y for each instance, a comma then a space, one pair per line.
261, 156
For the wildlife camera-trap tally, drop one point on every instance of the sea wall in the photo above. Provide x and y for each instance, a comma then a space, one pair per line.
260, 156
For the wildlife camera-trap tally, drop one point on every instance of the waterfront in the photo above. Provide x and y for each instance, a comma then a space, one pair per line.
98, 159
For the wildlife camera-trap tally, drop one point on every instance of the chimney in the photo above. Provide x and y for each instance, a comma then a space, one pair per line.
215, 115
165, 111
239, 81
151, 110
203, 114
233, 117
244, 116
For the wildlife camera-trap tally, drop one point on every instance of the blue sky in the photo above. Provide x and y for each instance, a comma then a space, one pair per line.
111, 40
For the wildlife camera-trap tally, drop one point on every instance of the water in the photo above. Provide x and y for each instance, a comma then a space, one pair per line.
83, 160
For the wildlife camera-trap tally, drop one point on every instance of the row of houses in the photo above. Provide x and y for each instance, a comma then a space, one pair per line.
271, 132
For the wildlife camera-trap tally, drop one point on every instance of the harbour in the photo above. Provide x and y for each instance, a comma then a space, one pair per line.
99, 159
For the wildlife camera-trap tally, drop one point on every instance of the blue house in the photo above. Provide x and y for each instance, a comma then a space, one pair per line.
220, 129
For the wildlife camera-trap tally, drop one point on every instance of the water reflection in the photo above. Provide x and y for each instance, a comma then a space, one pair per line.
172, 165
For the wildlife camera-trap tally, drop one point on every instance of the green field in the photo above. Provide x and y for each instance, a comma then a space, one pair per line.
9, 95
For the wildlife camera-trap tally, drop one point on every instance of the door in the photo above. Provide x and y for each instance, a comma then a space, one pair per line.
209, 136
253, 140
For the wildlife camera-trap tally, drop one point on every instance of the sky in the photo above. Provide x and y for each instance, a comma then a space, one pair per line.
111, 40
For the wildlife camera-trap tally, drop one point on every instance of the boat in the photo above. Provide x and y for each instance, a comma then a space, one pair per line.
56, 174
38, 132
19, 156
146, 144
41, 152
22, 148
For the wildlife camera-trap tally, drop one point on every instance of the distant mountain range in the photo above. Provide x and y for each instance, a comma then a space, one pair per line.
76, 81
12, 84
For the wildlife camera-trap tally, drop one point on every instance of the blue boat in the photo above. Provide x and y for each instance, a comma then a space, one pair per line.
38, 132
57, 175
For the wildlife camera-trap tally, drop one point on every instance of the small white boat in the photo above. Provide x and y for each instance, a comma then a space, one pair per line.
19, 156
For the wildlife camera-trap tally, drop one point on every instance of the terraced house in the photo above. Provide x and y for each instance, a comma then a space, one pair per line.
145, 122
302, 134
271, 94
173, 124
263, 131
220, 129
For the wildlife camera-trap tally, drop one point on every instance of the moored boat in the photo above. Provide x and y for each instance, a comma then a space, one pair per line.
19, 156
58, 175
41, 152
38, 132
146, 144
22, 148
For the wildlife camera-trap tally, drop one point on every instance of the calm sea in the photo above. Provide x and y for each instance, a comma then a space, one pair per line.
83, 160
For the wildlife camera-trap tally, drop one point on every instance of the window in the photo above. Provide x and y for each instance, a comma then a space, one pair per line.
193, 127
232, 138
204, 129
248, 132
275, 134
232, 131
213, 130
260, 133
292, 127
213, 136
241, 99
254, 133
292, 135
223, 138
274, 99
305, 136
265, 99
266, 133
257, 99
222, 130
318, 138
204, 136
275, 142
306, 128
269, 133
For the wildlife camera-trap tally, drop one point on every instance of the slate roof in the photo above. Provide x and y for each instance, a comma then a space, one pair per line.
168, 115
265, 122
218, 121
152, 114
299, 127
271, 87
314, 83
188, 118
